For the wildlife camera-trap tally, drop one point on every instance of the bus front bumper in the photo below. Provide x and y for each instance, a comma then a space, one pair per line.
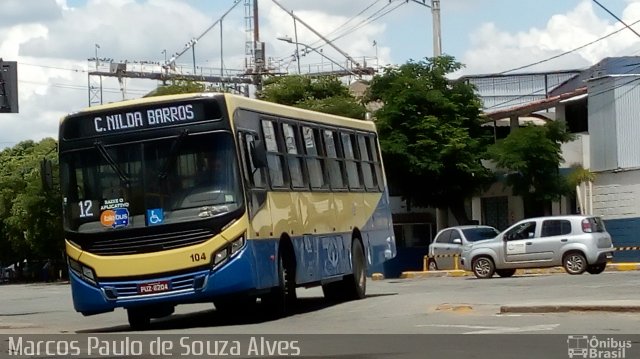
234, 276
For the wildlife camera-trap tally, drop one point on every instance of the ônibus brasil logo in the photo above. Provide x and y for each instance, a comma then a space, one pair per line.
583, 346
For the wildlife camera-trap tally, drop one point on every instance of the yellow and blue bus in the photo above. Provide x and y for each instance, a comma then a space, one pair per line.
218, 198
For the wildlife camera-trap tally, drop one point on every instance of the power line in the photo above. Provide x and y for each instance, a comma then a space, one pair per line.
352, 18
52, 67
617, 18
80, 87
348, 30
371, 18
365, 23
566, 52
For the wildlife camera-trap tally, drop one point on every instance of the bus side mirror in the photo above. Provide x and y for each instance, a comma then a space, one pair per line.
259, 154
46, 174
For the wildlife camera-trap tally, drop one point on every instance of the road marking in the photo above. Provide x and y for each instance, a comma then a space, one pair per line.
494, 329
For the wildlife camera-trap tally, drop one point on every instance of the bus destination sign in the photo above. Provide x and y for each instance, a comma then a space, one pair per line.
134, 119
142, 119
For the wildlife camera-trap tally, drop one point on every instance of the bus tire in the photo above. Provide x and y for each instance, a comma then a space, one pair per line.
356, 283
334, 291
234, 305
283, 298
139, 318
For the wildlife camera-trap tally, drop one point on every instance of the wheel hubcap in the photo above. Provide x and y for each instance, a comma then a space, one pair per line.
482, 267
575, 263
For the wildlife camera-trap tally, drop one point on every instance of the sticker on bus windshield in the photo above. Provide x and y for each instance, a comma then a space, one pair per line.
114, 203
155, 216
115, 218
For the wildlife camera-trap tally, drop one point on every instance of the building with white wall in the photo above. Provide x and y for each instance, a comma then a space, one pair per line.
601, 106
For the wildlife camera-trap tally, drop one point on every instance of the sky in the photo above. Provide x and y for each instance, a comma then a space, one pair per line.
52, 40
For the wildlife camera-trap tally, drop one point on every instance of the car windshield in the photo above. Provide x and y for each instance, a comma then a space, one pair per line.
156, 182
480, 233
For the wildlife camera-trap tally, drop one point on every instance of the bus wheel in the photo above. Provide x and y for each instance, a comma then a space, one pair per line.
139, 318
334, 291
282, 299
234, 305
356, 283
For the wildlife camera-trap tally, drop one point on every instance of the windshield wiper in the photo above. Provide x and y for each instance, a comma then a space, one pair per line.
103, 152
173, 154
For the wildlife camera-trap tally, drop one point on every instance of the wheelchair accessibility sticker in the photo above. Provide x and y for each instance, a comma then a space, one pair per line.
155, 216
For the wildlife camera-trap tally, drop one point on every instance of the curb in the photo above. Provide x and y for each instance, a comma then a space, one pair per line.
621, 267
611, 267
436, 273
569, 308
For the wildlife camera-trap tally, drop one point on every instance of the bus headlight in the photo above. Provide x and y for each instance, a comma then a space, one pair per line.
82, 271
220, 256
237, 244
228, 251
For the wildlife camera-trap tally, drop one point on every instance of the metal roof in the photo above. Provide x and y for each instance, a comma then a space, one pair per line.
623, 65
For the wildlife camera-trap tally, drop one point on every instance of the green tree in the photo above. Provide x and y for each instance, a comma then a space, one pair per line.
431, 135
532, 156
30, 217
324, 94
180, 86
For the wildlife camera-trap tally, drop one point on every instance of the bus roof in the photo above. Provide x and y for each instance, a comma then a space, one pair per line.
237, 101
294, 112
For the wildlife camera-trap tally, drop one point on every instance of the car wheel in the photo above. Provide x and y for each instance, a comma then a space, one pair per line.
596, 268
483, 267
505, 273
574, 263
433, 265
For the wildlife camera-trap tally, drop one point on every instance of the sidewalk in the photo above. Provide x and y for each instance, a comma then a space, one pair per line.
611, 267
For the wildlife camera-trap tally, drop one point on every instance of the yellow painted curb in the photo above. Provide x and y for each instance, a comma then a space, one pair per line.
457, 273
377, 276
431, 274
525, 271
623, 266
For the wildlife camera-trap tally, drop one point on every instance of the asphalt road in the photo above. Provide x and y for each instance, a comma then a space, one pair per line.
445, 305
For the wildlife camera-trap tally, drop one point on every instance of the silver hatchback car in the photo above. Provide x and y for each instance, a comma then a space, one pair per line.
578, 243
447, 246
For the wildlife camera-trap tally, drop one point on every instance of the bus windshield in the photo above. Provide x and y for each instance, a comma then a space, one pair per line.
161, 181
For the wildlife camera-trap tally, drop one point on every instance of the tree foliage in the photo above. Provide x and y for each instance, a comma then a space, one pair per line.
30, 217
532, 155
431, 135
324, 94
182, 86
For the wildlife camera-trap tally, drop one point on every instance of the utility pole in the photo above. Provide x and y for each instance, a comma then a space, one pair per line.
435, 15
295, 32
437, 38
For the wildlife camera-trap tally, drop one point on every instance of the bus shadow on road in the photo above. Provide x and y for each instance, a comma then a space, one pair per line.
213, 318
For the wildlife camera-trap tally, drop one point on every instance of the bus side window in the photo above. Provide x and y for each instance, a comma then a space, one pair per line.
367, 164
294, 156
315, 164
351, 164
254, 175
334, 166
275, 159
375, 156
